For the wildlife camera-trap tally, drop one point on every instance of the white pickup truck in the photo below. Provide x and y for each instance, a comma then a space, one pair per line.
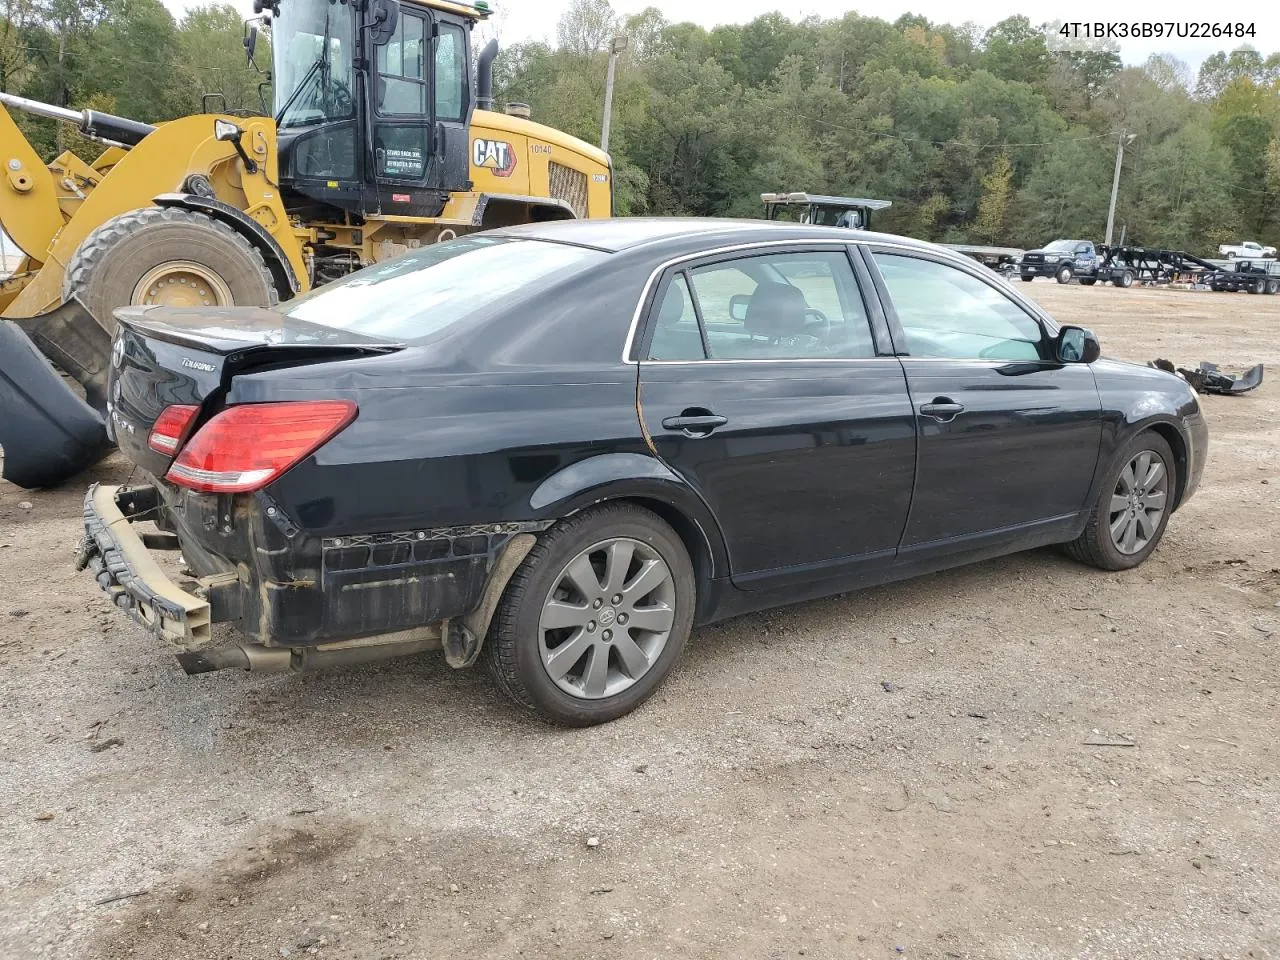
1249, 250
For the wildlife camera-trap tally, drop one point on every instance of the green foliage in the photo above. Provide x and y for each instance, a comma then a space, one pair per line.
993, 208
992, 136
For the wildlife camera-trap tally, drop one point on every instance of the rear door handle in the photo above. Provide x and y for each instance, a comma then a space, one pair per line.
694, 424
942, 409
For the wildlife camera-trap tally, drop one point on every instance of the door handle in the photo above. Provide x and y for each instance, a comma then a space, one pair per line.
695, 422
942, 409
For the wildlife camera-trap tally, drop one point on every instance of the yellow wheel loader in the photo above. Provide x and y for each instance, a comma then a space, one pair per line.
383, 138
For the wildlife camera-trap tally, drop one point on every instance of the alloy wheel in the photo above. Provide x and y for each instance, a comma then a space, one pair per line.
607, 618
1138, 502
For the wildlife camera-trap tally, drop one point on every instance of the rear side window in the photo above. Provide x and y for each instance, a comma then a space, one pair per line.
946, 312
427, 290
769, 307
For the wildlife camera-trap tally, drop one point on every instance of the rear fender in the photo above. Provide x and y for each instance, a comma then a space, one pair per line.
47, 432
630, 476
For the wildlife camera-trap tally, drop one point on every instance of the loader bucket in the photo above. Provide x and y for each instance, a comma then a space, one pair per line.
48, 434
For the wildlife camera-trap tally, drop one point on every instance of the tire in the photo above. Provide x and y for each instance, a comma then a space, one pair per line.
1088, 281
1097, 546
1231, 255
519, 644
1273, 286
1027, 279
1252, 288
1124, 280
1064, 275
193, 258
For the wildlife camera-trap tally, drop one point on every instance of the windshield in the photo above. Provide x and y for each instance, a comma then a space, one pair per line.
311, 76
1062, 246
426, 290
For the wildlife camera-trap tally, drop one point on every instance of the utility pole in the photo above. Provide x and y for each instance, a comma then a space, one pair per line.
1115, 181
616, 46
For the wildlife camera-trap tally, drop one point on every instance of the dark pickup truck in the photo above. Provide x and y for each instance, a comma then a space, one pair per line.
1067, 259
1062, 260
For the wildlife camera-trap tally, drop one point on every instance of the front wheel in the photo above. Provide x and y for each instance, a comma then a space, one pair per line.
1132, 509
595, 618
166, 256
1064, 275
1231, 255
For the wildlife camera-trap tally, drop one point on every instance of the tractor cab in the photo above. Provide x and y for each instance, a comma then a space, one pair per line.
372, 101
851, 212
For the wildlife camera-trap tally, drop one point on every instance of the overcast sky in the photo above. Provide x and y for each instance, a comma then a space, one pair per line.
536, 19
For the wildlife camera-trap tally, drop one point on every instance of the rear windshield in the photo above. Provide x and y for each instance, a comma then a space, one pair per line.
424, 291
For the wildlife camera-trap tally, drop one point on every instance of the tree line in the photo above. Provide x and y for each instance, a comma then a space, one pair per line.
975, 135
979, 136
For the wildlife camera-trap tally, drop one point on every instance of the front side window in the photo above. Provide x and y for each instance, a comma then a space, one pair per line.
769, 307
946, 312
451, 73
427, 290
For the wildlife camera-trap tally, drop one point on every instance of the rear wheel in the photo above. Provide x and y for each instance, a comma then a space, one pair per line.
1063, 275
1132, 509
595, 618
168, 256
1027, 279
1273, 286
1125, 279
1088, 281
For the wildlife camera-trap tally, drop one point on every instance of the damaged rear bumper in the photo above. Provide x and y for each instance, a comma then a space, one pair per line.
402, 606
130, 576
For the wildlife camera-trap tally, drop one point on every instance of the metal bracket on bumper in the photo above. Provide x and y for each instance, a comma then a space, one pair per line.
133, 580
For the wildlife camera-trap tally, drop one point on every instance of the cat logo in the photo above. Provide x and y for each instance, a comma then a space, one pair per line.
496, 156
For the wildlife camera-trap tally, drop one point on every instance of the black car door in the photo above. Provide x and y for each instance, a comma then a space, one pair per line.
1009, 436
762, 385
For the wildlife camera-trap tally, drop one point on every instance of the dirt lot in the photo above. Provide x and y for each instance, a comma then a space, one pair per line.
898, 772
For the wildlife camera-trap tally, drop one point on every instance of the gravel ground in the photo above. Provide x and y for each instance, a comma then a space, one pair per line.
903, 771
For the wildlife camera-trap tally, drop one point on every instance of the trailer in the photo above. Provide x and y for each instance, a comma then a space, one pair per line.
1251, 276
1003, 260
1126, 265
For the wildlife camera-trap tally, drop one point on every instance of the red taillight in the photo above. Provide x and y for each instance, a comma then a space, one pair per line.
246, 447
171, 427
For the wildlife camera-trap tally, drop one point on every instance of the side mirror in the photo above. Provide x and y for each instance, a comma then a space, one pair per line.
250, 41
1078, 345
738, 305
384, 15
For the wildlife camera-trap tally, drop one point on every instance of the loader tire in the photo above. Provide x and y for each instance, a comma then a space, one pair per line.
166, 255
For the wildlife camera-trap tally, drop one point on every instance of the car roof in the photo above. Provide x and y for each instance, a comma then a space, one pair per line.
625, 233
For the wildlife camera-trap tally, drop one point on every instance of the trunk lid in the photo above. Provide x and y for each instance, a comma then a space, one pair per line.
167, 355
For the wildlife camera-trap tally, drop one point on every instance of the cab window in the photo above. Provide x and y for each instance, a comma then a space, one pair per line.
402, 86
451, 73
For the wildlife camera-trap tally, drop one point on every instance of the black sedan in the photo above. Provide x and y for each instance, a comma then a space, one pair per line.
562, 446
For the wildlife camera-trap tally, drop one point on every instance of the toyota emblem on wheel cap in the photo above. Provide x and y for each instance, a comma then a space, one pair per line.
117, 352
